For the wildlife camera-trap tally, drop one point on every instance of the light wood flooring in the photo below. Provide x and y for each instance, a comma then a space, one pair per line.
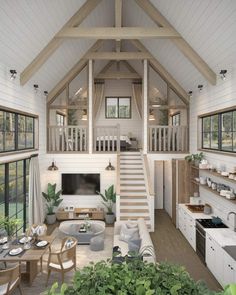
170, 245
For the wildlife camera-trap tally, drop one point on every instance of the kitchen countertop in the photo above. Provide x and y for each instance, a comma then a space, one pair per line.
195, 215
223, 236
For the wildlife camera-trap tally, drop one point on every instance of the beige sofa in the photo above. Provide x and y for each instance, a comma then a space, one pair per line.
146, 248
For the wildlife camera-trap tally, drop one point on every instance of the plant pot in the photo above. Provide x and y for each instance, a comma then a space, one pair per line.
51, 218
196, 163
110, 218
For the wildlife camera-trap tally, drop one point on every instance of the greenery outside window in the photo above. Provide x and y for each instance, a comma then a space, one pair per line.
14, 190
219, 131
118, 107
17, 131
176, 119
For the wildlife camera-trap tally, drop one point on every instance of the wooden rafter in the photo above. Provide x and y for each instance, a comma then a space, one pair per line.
118, 55
77, 68
167, 107
108, 33
118, 21
129, 67
55, 42
113, 75
107, 66
163, 73
183, 46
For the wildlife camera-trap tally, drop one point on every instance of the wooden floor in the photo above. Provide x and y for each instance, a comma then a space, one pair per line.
171, 246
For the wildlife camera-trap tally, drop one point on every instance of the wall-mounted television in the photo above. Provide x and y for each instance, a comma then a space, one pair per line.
80, 184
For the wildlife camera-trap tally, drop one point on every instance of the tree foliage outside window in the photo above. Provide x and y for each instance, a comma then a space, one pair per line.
118, 107
219, 131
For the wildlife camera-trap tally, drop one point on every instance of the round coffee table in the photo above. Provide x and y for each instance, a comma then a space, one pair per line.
72, 227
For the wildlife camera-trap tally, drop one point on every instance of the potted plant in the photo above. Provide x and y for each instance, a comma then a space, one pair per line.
9, 225
195, 158
109, 199
53, 200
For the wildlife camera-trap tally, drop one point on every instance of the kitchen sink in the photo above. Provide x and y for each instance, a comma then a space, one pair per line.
231, 250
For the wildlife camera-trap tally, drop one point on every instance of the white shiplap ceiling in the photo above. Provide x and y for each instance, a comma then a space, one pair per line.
209, 26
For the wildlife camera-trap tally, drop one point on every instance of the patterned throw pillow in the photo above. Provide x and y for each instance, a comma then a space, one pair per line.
134, 245
127, 234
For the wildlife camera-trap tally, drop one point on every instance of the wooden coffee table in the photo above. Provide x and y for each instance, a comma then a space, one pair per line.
31, 257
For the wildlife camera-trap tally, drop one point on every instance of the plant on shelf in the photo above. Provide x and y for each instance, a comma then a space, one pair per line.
9, 225
134, 277
109, 199
53, 200
195, 158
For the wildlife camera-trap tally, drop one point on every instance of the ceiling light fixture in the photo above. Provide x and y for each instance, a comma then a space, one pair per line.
156, 105
110, 167
78, 91
84, 116
190, 93
200, 87
45, 93
13, 74
53, 167
223, 74
36, 88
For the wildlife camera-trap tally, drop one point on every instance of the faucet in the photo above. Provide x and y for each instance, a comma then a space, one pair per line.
234, 219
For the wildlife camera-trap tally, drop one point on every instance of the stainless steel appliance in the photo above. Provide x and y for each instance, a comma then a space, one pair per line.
201, 224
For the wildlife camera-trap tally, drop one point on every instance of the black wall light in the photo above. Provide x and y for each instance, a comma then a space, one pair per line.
36, 88
13, 74
223, 74
200, 87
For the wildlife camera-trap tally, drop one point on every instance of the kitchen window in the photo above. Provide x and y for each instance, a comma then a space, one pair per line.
219, 131
118, 107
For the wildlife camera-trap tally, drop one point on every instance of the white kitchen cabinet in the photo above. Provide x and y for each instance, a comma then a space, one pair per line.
229, 269
187, 227
214, 258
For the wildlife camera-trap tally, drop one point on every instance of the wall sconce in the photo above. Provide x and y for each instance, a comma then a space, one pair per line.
223, 74
200, 87
190, 93
53, 167
151, 116
84, 116
45, 93
110, 167
36, 88
13, 74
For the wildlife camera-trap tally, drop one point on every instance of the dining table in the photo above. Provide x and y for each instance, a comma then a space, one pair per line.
29, 256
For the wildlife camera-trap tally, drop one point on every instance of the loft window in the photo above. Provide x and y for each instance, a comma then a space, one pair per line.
118, 107
219, 131
60, 119
17, 131
176, 119
14, 190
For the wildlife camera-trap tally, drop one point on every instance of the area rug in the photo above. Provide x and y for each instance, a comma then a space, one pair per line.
83, 256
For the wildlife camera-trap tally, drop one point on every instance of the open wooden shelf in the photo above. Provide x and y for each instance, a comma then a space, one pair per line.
219, 175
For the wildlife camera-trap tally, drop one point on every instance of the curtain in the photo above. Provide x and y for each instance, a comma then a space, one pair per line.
36, 213
137, 94
98, 96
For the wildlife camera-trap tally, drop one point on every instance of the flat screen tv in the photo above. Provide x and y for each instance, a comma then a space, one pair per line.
80, 184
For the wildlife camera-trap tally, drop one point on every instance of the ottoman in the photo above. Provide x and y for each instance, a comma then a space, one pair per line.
97, 243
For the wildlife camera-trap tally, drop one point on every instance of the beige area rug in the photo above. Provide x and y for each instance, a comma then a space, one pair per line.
83, 255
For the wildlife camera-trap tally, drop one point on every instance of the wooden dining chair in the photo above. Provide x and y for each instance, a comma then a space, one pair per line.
63, 260
10, 280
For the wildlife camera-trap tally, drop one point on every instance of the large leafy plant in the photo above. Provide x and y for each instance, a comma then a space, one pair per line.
10, 224
109, 199
52, 198
194, 157
136, 278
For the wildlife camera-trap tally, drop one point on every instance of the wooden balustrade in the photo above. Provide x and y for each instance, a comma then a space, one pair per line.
67, 139
168, 139
106, 139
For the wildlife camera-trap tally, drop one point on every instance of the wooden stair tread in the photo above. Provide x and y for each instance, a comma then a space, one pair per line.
132, 197
133, 203
134, 210
134, 217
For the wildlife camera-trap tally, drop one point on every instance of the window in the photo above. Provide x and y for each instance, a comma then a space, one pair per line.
60, 119
118, 107
14, 189
16, 131
219, 131
176, 119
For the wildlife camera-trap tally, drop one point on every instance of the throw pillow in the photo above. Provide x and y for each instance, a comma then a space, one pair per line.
131, 224
128, 233
134, 245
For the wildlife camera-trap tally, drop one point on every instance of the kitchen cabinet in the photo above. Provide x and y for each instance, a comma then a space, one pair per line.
229, 269
187, 227
214, 258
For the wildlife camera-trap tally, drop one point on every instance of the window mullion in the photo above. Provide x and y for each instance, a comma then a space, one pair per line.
6, 190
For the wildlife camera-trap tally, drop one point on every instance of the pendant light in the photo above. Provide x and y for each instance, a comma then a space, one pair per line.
53, 167
110, 167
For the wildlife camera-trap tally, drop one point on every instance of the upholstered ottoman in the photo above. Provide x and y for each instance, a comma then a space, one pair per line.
97, 243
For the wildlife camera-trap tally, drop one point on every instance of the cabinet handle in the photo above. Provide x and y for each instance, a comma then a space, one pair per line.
229, 265
232, 268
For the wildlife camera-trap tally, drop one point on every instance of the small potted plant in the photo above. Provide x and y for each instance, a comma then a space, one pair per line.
109, 199
195, 158
53, 200
9, 225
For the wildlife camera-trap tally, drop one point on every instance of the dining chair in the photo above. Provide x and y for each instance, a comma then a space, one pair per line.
63, 260
10, 280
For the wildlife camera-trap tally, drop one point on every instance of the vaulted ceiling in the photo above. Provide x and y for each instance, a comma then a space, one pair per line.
208, 26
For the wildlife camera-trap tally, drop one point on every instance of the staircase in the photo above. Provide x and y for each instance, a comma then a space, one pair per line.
134, 202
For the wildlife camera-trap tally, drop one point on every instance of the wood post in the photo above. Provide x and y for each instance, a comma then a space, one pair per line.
90, 108
145, 106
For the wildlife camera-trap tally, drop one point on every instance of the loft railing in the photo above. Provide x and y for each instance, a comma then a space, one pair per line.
67, 139
106, 139
168, 138
118, 188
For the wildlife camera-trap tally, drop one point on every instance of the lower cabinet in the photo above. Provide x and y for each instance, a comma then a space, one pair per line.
229, 268
187, 227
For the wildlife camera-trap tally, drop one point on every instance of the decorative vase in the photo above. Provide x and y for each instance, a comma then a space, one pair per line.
196, 163
110, 218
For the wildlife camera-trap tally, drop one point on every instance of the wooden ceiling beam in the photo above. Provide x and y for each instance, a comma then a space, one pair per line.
108, 33
181, 44
77, 68
117, 75
118, 55
118, 21
163, 73
167, 107
55, 42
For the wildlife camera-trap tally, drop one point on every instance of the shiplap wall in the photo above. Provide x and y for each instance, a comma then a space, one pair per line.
133, 125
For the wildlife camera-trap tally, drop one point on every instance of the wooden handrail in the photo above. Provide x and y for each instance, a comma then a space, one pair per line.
149, 183
118, 175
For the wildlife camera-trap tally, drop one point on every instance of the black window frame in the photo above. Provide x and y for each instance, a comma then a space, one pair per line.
173, 117
62, 117
118, 107
17, 131
220, 114
6, 201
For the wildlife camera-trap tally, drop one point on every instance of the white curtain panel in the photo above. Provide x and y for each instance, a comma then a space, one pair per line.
137, 94
98, 96
36, 213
